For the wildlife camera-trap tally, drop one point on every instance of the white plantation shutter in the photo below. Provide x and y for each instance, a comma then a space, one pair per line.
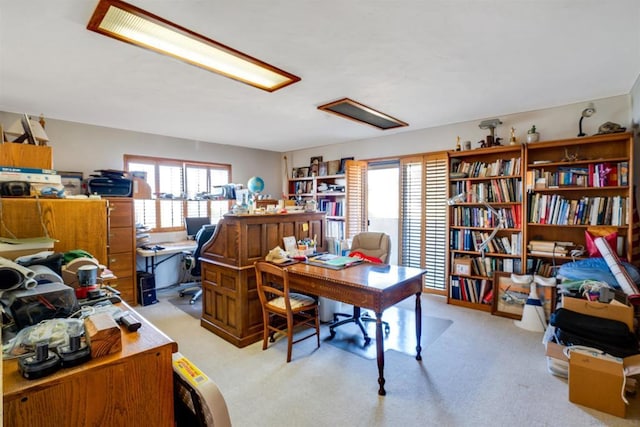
435, 225
356, 182
411, 212
423, 214
176, 185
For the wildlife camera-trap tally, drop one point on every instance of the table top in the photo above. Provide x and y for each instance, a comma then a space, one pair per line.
364, 275
169, 248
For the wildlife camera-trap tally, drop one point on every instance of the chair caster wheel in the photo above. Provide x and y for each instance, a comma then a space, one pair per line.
181, 294
387, 330
192, 302
332, 333
367, 340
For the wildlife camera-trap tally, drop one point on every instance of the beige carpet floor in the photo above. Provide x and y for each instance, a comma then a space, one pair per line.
481, 371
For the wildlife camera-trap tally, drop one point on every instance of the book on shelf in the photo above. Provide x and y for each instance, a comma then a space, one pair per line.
27, 170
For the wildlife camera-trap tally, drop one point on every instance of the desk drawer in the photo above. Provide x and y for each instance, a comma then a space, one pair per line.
120, 264
120, 213
120, 240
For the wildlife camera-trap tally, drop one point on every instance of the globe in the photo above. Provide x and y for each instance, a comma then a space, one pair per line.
255, 184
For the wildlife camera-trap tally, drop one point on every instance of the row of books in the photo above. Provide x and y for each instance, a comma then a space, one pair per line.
588, 210
464, 216
493, 191
500, 167
549, 248
472, 240
541, 267
485, 266
335, 229
303, 187
605, 174
471, 290
331, 208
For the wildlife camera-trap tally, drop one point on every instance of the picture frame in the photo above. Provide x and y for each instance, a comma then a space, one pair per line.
302, 172
322, 169
315, 160
509, 298
343, 162
72, 182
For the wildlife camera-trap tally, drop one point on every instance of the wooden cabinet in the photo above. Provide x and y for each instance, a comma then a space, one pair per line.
230, 304
122, 245
574, 185
75, 224
484, 186
133, 387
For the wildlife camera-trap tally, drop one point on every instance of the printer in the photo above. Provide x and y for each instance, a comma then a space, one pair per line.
110, 183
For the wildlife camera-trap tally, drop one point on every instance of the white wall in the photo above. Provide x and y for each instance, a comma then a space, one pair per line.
85, 148
552, 123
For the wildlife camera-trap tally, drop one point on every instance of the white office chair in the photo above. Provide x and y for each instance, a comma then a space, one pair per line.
373, 244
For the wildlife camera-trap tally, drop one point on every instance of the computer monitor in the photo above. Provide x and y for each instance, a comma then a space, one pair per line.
194, 224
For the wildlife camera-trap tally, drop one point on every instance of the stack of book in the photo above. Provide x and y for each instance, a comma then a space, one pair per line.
549, 248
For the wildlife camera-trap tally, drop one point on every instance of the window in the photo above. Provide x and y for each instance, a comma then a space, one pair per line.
179, 189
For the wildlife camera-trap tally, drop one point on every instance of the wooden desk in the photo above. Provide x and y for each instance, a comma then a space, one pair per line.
170, 250
369, 286
131, 388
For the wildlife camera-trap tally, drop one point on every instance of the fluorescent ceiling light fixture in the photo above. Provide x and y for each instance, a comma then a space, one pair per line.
130, 24
353, 110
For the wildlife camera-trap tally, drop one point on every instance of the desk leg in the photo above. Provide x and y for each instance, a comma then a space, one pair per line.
380, 349
418, 326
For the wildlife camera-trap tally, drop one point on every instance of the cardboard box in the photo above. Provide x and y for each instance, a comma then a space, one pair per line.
614, 310
597, 380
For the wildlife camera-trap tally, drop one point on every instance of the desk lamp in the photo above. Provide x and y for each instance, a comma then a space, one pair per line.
462, 197
587, 112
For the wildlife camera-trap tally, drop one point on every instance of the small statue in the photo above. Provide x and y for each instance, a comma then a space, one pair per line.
458, 148
512, 140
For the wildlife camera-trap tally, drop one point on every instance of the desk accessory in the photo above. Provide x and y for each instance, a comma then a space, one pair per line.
42, 363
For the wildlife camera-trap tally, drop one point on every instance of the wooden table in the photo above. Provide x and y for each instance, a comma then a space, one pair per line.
368, 286
131, 388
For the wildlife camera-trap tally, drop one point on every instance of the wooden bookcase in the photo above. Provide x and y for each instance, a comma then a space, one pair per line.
554, 177
560, 177
490, 182
329, 193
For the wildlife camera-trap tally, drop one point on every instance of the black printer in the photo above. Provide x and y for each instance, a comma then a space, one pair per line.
110, 183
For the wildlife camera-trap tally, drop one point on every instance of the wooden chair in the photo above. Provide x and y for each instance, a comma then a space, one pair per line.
291, 308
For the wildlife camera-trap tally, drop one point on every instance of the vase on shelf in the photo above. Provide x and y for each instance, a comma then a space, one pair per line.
532, 135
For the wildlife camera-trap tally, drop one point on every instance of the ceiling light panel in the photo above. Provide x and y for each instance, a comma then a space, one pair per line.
353, 110
130, 24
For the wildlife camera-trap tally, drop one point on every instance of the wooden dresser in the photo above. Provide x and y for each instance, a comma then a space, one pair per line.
121, 246
133, 387
230, 304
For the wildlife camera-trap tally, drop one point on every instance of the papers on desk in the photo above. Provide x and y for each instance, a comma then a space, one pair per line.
332, 260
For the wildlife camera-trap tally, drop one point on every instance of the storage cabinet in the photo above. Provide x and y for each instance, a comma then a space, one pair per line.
121, 246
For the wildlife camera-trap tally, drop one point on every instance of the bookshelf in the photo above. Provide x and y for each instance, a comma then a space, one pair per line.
490, 183
329, 192
574, 185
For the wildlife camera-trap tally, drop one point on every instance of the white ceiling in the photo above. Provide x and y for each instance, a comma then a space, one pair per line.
426, 62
